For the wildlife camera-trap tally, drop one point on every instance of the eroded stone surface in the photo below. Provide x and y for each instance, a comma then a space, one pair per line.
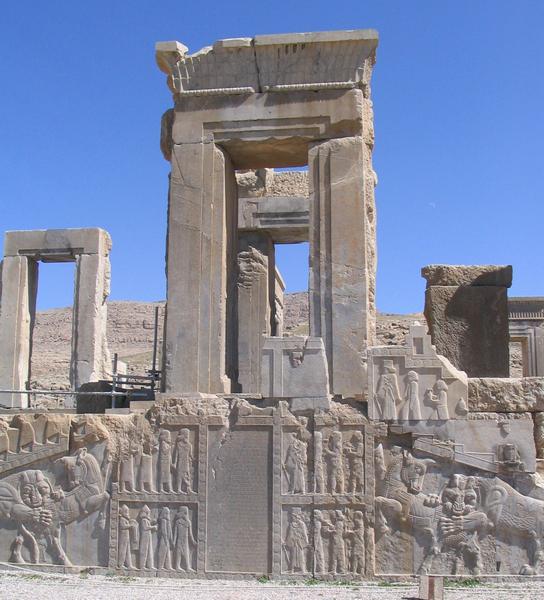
494, 275
524, 394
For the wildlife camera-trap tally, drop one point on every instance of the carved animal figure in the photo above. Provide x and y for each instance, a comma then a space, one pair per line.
39, 509
402, 498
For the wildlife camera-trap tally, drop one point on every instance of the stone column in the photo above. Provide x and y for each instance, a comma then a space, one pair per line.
466, 308
342, 258
255, 257
90, 359
202, 205
17, 314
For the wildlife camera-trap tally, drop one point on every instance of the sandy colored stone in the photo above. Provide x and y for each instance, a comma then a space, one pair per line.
469, 325
499, 275
525, 394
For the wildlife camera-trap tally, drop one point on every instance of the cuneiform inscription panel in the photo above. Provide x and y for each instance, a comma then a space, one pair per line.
239, 500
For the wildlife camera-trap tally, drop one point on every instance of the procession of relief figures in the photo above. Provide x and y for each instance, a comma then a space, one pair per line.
261, 453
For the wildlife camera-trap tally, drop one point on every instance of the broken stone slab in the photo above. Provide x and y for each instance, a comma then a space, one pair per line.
46, 244
494, 394
466, 308
309, 61
285, 218
294, 367
456, 275
267, 182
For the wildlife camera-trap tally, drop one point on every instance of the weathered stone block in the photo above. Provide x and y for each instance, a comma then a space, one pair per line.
469, 326
524, 394
477, 275
294, 367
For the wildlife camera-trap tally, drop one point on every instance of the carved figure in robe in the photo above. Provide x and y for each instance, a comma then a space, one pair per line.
165, 461
147, 527
165, 540
439, 401
319, 476
4, 441
336, 462
183, 461
319, 555
337, 543
296, 542
27, 435
183, 540
387, 393
129, 450
296, 461
358, 545
356, 453
128, 537
411, 408
146, 481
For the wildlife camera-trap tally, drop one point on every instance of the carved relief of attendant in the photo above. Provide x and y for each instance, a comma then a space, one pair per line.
147, 527
146, 482
319, 555
165, 461
295, 465
439, 401
183, 538
387, 393
128, 529
356, 454
4, 441
411, 409
165, 540
338, 544
183, 461
296, 542
126, 468
336, 463
319, 477
358, 544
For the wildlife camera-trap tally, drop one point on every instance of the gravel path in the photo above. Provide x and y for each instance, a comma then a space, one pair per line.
38, 586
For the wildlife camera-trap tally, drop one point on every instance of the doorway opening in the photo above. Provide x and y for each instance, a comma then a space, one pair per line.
51, 339
293, 267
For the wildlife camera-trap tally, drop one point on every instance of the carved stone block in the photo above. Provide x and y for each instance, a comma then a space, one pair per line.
414, 383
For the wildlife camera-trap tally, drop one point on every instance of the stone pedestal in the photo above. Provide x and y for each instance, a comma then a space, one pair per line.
466, 308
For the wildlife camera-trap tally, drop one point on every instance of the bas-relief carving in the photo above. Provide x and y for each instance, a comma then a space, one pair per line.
427, 514
156, 537
37, 508
414, 383
435, 517
324, 541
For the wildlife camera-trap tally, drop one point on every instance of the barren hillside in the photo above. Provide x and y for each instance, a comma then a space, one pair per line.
130, 334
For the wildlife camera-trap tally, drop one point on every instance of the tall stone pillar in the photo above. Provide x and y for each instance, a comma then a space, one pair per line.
255, 272
90, 359
466, 308
202, 208
342, 258
17, 314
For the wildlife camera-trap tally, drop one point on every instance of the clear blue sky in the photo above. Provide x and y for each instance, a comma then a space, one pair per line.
458, 95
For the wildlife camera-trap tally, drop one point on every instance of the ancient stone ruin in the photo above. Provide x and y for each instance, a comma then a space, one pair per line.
292, 456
